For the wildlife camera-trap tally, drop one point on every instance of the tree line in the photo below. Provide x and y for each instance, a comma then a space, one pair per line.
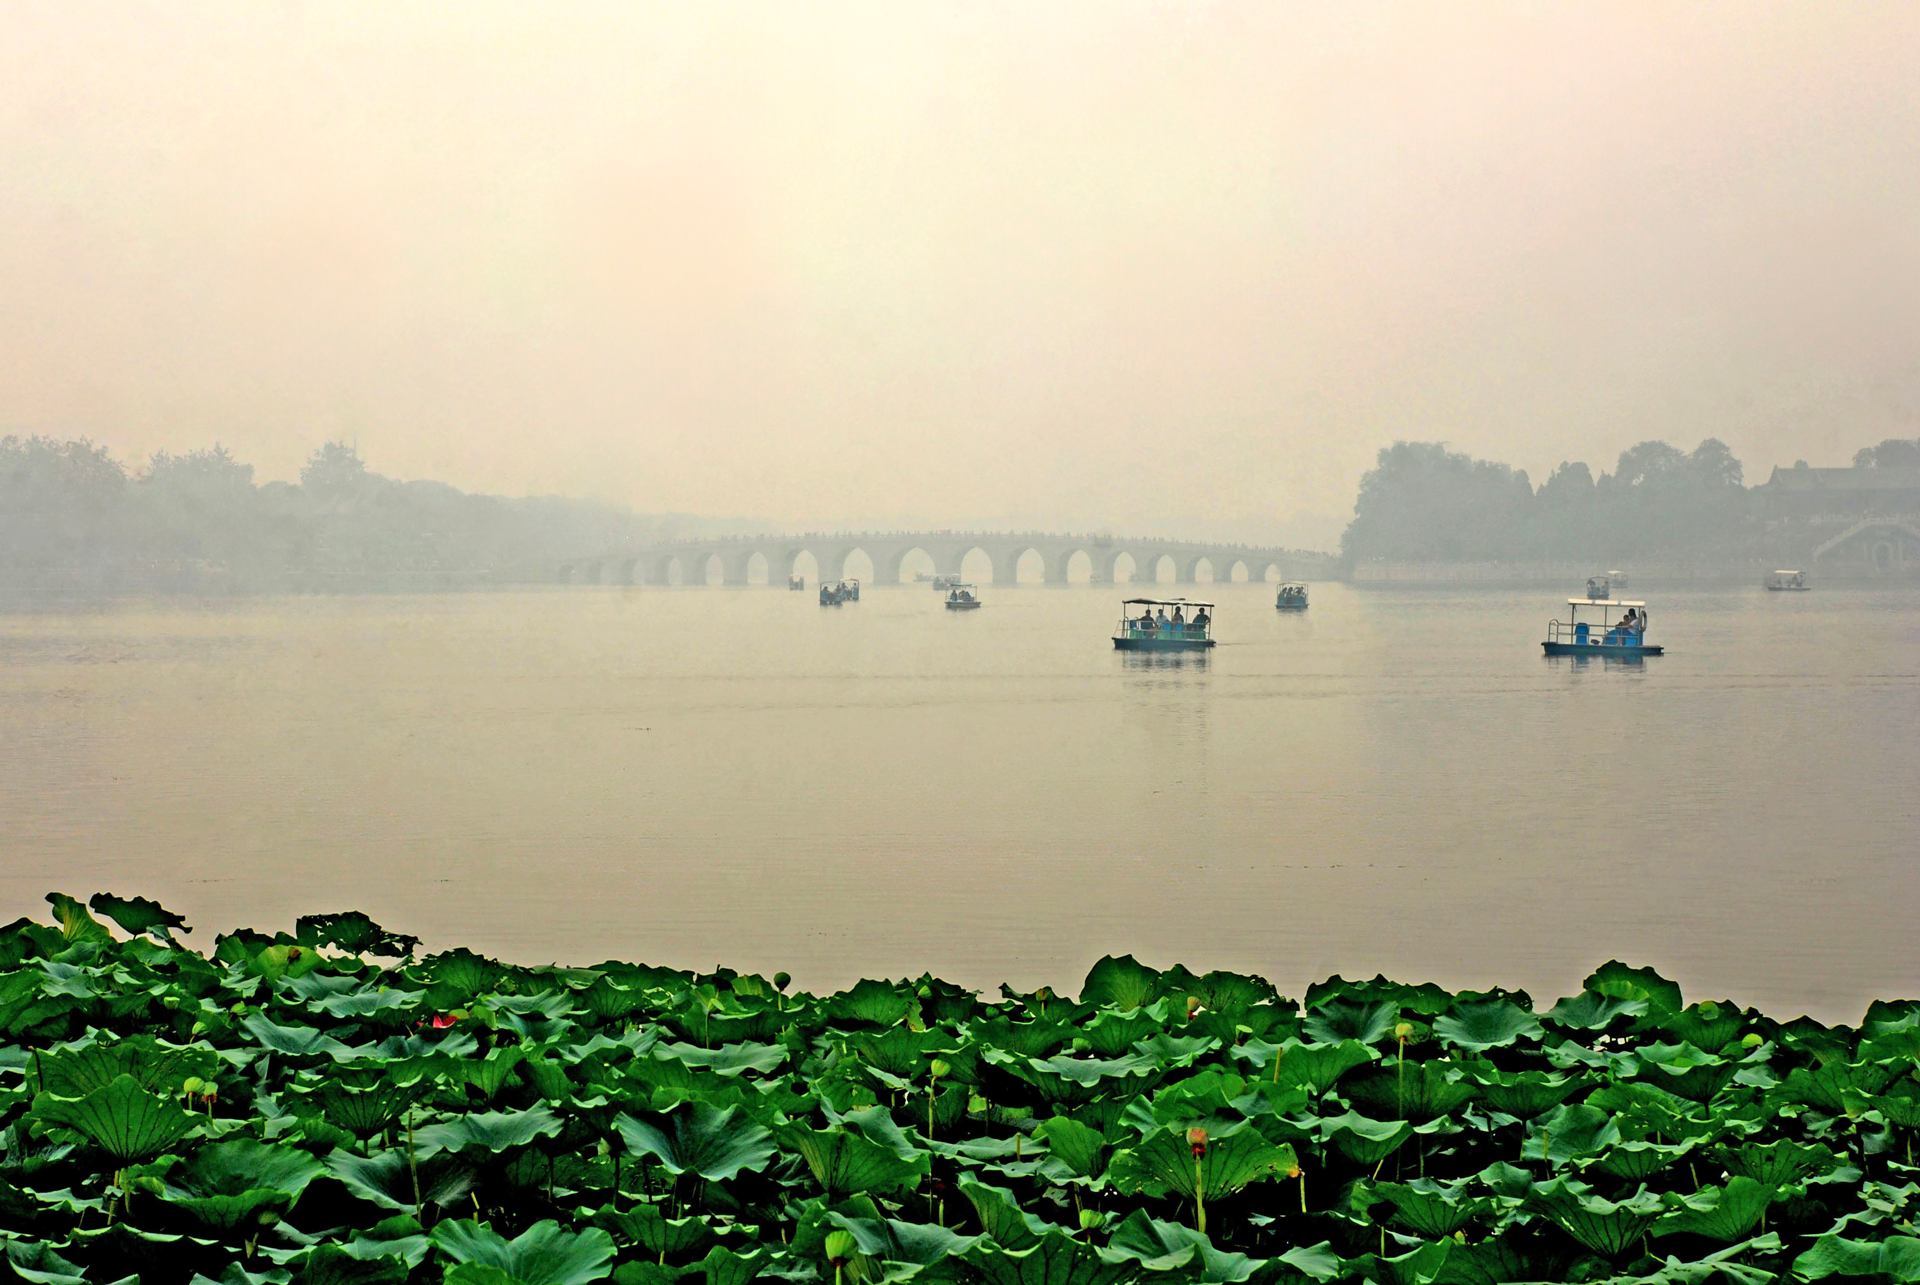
1424, 502
72, 516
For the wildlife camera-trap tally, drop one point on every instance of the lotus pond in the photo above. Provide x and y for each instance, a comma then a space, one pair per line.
336, 1105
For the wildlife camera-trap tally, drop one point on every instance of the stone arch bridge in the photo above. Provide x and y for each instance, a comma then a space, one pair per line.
772, 559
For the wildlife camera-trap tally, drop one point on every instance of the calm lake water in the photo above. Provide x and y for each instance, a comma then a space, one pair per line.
1395, 781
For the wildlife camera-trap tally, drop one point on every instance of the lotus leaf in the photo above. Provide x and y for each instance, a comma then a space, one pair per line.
122, 1119
492, 1131
544, 1254
1494, 1024
701, 1139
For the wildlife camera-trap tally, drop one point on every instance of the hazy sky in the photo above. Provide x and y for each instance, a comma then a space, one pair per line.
1172, 267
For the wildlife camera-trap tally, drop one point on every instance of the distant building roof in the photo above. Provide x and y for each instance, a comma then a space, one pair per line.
1844, 479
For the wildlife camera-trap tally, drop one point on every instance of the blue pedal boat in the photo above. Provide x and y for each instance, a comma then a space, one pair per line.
1151, 631
1625, 638
1292, 596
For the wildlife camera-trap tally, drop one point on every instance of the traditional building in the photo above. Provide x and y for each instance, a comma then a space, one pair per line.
1851, 522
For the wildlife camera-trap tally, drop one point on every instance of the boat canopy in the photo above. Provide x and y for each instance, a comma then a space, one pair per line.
1605, 602
1785, 571
1164, 602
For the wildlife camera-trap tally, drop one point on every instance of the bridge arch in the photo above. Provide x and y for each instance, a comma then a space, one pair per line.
1190, 574
667, 570
1149, 567
1022, 557
911, 561
1072, 565
1236, 572
1273, 573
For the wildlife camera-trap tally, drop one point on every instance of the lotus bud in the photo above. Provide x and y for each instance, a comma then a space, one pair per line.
1751, 1040
1193, 1006
192, 1085
1197, 1139
1403, 1031
781, 981
1044, 994
1091, 1219
940, 1068
839, 1247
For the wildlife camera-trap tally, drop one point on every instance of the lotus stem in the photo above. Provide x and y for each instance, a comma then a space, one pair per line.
616, 1182
1303, 1191
413, 1171
1199, 1197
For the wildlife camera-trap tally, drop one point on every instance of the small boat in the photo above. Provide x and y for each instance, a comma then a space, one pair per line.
1189, 628
1292, 597
1604, 637
945, 584
1788, 582
832, 594
797, 583
1599, 587
963, 597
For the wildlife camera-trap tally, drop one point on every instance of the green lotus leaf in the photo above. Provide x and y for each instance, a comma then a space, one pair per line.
232, 1185
1074, 1150
1637, 1161
1590, 1012
1521, 1093
122, 1119
1231, 993
338, 1265
1420, 1266
871, 1002
1709, 1025
353, 932
895, 1244
1055, 1259
1569, 1133
1166, 1247
1414, 1090
1363, 1023
1119, 983
493, 1131
544, 1254
1114, 1032
701, 1139
1428, 1207
35, 1262
386, 1180
845, 1163
1724, 1214
401, 1239
1163, 1163
1363, 1140
1494, 1024
649, 1228
727, 1060
1607, 1227
1615, 980
1319, 1066
723, 1266
75, 1070
1779, 1163
492, 1073
76, 925
1001, 1218
1896, 1258
295, 1041
137, 915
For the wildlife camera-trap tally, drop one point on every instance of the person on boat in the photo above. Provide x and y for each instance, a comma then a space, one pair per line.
1161, 623
1201, 620
1146, 619
1179, 624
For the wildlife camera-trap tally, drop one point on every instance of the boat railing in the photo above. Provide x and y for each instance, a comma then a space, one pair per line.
1571, 631
1133, 629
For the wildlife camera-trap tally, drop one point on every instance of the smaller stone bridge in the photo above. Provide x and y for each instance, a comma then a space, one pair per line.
1059, 559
